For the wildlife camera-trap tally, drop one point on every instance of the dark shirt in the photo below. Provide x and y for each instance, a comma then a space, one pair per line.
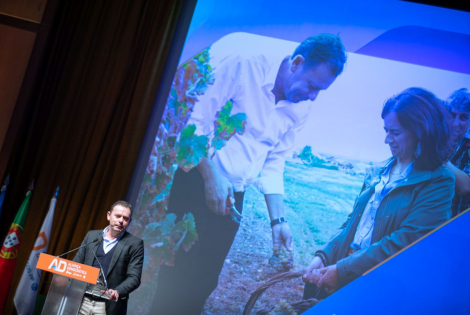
462, 161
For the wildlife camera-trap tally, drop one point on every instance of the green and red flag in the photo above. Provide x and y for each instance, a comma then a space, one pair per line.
9, 251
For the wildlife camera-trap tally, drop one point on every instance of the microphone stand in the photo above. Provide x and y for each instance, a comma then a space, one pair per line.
102, 272
95, 240
64, 300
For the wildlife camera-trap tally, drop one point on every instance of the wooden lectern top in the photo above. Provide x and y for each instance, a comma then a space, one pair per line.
68, 268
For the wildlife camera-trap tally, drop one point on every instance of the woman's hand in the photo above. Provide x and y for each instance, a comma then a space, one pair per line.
328, 279
312, 273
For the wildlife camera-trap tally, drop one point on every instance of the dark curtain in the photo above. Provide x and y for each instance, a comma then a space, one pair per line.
84, 126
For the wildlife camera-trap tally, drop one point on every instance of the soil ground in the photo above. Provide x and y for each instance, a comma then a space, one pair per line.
317, 202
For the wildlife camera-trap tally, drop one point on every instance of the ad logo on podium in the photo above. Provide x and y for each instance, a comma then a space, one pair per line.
68, 268
58, 265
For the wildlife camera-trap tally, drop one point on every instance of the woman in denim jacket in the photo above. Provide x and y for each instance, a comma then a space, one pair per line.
401, 200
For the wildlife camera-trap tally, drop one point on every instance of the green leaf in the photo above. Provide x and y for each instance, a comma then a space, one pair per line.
181, 238
168, 223
191, 234
218, 143
156, 230
162, 252
163, 195
191, 148
225, 126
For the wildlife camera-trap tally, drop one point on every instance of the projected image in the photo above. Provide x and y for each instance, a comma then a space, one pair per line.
270, 157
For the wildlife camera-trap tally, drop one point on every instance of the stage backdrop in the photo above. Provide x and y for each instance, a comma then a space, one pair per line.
392, 45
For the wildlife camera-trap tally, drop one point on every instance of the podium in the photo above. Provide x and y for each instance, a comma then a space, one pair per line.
68, 284
64, 297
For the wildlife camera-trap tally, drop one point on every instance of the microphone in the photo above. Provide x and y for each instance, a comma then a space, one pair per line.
95, 240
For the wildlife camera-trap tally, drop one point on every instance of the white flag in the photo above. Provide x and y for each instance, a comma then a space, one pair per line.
25, 296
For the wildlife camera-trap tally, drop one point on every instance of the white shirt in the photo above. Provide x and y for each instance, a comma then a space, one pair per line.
246, 76
108, 244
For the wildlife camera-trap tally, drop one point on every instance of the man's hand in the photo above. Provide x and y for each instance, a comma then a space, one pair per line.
312, 273
329, 279
113, 294
282, 236
217, 187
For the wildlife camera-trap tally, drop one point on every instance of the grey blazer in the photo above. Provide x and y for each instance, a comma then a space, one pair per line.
125, 269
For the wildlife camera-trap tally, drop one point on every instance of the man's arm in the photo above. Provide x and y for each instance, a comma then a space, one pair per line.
282, 236
134, 271
217, 187
271, 184
462, 180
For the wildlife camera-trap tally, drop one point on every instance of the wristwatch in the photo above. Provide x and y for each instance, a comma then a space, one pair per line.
278, 221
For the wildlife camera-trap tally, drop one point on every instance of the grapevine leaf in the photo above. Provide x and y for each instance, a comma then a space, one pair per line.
163, 253
168, 223
218, 143
191, 148
225, 126
152, 232
163, 195
155, 230
184, 233
191, 235
168, 256
177, 245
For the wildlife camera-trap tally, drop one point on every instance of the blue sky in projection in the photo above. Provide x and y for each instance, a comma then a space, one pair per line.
392, 45
357, 22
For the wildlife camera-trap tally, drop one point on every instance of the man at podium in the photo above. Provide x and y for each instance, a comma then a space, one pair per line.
119, 255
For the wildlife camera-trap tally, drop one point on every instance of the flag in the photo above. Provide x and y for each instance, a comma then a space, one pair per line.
9, 251
25, 296
3, 192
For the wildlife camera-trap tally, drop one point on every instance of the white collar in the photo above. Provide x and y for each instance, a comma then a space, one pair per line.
105, 231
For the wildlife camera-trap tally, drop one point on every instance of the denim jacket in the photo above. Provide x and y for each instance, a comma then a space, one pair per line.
415, 207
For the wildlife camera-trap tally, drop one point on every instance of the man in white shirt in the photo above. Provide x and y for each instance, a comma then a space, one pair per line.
120, 255
275, 90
